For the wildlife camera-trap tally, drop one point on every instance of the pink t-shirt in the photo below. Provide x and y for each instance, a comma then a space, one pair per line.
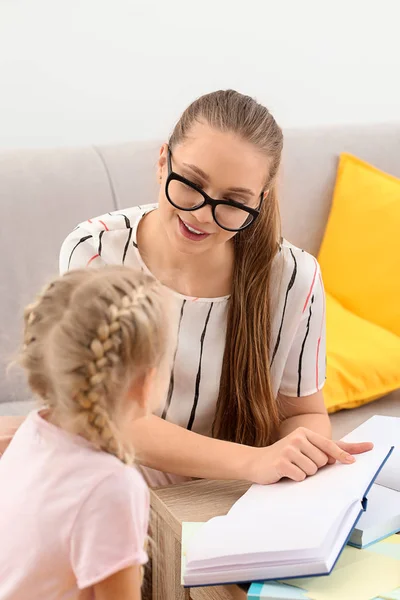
70, 515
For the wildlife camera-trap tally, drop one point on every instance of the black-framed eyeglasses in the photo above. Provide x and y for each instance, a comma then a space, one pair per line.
186, 195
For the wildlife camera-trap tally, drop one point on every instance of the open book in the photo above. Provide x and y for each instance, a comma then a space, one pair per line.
382, 517
284, 530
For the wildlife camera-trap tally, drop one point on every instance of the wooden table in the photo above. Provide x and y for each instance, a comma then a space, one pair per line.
192, 501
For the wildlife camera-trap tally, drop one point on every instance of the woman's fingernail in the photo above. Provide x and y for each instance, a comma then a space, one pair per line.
349, 458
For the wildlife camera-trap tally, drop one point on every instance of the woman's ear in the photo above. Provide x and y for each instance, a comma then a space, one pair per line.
162, 161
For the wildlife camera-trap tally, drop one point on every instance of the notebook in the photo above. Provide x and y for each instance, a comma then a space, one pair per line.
382, 517
284, 530
373, 573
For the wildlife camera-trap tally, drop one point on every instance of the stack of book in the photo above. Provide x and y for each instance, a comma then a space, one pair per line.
299, 530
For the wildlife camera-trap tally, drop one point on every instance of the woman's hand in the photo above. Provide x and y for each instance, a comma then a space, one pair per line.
173, 449
299, 455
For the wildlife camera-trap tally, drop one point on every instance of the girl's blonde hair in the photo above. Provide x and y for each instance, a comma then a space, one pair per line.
247, 410
87, 336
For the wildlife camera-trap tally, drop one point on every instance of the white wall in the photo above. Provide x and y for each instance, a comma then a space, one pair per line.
83, 71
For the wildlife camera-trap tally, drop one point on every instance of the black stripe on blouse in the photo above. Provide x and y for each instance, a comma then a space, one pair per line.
128, 226
172, 379
127, 221
127, 245
302, 348
289, 287
87, 237
100, 248
198, 377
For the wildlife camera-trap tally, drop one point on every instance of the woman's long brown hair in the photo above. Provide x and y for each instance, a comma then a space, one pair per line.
247, 410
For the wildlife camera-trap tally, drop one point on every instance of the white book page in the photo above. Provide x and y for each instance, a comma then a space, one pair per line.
248, 538
231, 572
382, 430
286, 517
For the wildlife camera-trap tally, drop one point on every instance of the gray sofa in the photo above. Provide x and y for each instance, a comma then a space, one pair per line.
45, 193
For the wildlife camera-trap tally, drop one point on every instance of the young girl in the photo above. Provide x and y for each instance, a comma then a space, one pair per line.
245, 395
74, 512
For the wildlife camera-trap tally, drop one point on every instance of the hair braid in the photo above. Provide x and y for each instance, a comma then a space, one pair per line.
87, 336
37, 324
105, 355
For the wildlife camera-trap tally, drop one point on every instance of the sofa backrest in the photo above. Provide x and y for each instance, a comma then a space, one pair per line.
45, 193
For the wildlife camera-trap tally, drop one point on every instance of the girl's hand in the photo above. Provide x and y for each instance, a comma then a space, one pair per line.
300, 454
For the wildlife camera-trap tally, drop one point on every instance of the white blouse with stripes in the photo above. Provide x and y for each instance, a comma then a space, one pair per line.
297, 317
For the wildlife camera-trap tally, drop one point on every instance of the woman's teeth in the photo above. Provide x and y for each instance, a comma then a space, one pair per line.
193, 230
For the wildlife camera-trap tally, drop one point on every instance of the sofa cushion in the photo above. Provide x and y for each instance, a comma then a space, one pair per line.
360, 253
362, 359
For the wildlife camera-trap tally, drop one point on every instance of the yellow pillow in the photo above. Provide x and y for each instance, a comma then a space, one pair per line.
360, 253
362, 359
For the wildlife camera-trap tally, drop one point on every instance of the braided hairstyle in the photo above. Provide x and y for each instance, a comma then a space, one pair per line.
87, 336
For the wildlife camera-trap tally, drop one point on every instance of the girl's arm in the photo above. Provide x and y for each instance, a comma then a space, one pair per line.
8, 427
168, 447
124, 585
309, 412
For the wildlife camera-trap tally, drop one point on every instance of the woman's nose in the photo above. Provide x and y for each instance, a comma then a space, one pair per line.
203, 214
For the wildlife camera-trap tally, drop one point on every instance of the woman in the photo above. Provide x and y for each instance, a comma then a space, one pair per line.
245, 399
